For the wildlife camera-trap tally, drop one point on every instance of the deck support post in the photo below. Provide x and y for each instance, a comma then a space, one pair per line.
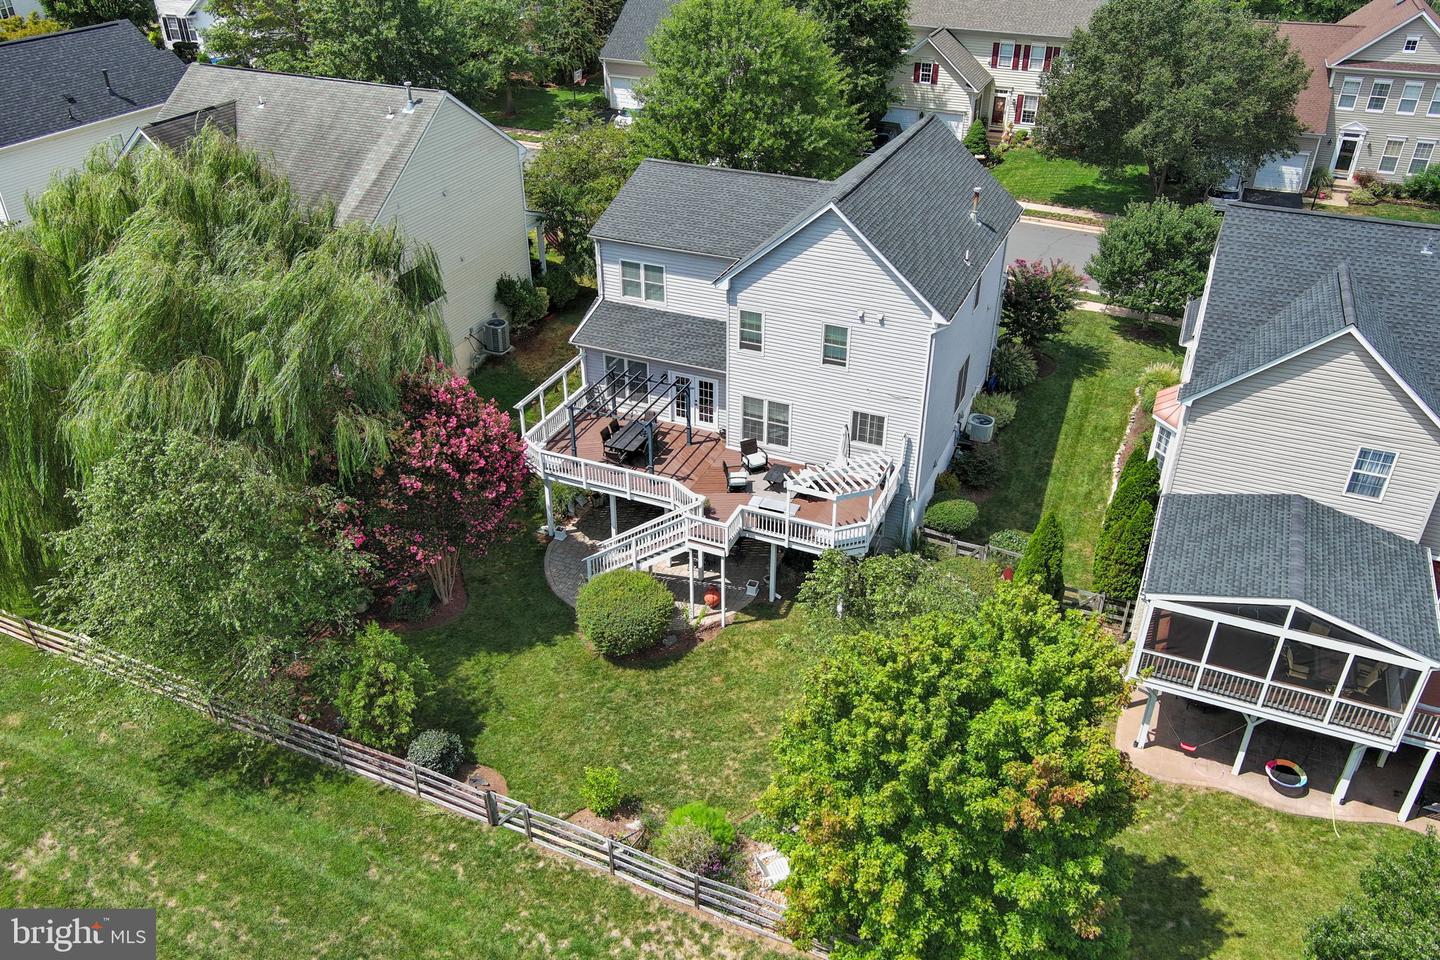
1352, 763
774, 556
549, 508
570, 414
1380, 761
614, 516
1251, 722
722, 591
1142, 735
690, 575
1417, 784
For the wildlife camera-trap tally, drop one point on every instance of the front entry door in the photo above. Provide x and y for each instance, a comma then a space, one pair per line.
997, 111
1345, 156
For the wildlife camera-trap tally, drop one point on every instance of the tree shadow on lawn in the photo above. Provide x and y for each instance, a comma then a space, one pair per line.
208, 759
1167, 912
1029, 443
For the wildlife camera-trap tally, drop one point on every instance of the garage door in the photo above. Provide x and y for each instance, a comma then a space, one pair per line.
622, 94
1286, 174
958, 122
902, 117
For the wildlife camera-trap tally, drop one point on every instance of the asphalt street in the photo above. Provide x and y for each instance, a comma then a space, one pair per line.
1035, 241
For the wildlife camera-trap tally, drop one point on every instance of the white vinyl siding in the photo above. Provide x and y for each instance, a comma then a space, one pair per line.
1296, 428
688, 278
642, 281
438, 200
1392, 48
1349, 91
940, 89
709, 386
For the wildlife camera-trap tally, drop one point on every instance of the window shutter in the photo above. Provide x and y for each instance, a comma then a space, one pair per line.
934, 74
1019, 105
917, 73
1049, 58
995, 54
1025, 58
1015, 57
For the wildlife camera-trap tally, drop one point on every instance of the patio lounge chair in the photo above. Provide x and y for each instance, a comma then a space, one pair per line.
736, 478
773, 867
752, 456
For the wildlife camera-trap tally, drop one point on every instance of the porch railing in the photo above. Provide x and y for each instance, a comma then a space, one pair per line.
1425, 725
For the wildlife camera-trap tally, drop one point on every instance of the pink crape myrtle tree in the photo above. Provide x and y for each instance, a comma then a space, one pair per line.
457, 470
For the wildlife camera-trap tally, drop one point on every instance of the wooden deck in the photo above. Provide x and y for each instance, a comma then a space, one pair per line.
701, 467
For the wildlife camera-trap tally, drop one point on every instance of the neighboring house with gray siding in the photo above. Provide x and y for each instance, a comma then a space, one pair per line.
843, 327
1292, 576
67, 93
414, 157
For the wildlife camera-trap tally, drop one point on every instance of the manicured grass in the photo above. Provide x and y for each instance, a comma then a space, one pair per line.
536, 703
280, 857
1059, 450
1030, 176
1220, 878
539, 108
538, 353
1392, 211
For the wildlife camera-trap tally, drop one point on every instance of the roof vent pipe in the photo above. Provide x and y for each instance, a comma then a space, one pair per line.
975, 206
106, 75
409, 99
259, 102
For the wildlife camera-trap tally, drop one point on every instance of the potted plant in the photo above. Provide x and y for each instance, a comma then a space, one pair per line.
712, 597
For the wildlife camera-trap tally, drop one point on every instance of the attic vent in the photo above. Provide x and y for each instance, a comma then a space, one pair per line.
259, 103
409, 99
975, 206
1429, 248
967, 258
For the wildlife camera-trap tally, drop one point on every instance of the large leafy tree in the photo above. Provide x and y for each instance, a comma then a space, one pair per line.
573, 179
83, 13
193, 555
570, 33
1396, 915
1155, 256
14, 28
748, 84
1190, 88
192, 291
869, 37
500, 44
1324, 11
955, 791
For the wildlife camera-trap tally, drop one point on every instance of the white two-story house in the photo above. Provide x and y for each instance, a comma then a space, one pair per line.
777, 357
1292, 575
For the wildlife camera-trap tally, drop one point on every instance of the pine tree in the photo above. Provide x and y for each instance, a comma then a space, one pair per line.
1044, 558
1121, 563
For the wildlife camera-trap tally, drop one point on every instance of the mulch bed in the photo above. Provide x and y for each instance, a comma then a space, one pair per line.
439, 616
484, 778
623, 826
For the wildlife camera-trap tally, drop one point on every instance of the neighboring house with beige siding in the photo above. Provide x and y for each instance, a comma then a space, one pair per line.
1292, 576
414, 157
67, 93
800, 355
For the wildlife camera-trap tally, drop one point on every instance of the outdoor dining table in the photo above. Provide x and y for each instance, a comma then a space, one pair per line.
630, 438
775, 477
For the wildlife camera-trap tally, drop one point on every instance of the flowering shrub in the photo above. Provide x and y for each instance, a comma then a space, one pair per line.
456, 471
1037, 299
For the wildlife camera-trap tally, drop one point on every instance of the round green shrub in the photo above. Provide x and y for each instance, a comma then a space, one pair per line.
1012, 540
710, 819
602, 790
560, 284
1363, 197
624, 611
1013, 366
439, 750
979, 467
690, 847
1001, 406
947, 485
951, 516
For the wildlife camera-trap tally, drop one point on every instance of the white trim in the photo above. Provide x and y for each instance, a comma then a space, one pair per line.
764, 437
959, 74
642, 298
1406, 48
1371, 95
1354, 468
1374, 40
1410, 170
740, 330
825, 362
854, 422
1359, 85
60, 133
1399, 104
1358, 137
1385, 155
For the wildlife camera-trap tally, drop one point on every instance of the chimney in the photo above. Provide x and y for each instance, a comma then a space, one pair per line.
975, 206
409, 99
106, 75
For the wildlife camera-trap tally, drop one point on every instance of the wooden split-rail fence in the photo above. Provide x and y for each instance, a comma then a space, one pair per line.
1115, 612
729, 903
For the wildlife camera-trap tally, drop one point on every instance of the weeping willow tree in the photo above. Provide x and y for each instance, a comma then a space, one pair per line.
192, 290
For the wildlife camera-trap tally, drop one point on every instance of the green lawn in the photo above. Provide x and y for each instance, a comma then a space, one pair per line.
1391, 211
539, 108
283, 857
1030, 176
1059, 450
538, 353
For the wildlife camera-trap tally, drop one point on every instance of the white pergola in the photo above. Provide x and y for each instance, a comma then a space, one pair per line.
836, 482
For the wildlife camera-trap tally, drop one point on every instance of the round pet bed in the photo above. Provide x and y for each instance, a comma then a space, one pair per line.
1288, 777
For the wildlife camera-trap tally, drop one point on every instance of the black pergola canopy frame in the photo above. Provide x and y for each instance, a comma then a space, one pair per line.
625, 396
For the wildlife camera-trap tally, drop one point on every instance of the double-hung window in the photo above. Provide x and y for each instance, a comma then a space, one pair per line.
1029, 107
7, 9
1007, 53
1379, 96
642, 281
1160, 446
867, 428
836, 349
1390, 159
1371, 473
1434, 109
924, 72
1424, 150
1410, 97
766, 421
1349, 91
752, 330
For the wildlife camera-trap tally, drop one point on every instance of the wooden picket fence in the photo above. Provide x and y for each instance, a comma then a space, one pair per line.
1118, 613
721, 900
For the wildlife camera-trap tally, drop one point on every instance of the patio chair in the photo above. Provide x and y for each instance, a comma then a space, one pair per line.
773, 867
752, 456
1296, 671
606, 433
736, 478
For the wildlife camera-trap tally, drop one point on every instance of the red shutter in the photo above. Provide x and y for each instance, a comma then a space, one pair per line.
934, 74
917, 73
1015, 57
1025, 58
995, 54
1019, 105
1049, 55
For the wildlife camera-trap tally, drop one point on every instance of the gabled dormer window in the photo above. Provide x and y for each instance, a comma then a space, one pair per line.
642, 281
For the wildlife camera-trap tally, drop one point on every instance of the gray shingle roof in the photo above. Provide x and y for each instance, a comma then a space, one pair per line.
628, 38
1286, 278
712, 210
955, 54
1040, 18
54, 82
329, 138
175, 132
1289, 547
637, 331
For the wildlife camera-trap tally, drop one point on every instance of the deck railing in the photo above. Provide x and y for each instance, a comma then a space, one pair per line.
1425, 725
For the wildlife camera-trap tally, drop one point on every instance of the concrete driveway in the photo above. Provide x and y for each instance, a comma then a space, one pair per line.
1043, 241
